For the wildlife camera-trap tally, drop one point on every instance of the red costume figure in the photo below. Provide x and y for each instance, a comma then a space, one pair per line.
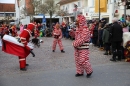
14, 31
81, 46
57, 34
36, 32
4, 30
19, 47
72, 33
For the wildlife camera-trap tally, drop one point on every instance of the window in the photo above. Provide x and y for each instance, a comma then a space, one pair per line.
79, 4
63, 7
1, 14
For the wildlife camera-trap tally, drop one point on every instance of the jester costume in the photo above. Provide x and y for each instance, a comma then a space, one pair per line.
57, 34
81, 46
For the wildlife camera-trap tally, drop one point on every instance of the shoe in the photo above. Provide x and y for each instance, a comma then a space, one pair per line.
88, 75
118, 59
109, 53
112, 60
62, 51
23, 69
77, 75
27, 64
105, 53
53, 50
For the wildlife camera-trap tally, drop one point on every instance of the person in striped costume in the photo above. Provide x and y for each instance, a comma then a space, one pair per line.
81, 46
57, 34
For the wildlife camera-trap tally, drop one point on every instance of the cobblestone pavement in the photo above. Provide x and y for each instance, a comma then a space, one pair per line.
46, 60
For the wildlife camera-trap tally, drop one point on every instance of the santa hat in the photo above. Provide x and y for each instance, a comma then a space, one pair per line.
31, 26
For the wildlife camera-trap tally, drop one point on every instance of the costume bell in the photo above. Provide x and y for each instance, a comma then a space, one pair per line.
81, 46
57, 34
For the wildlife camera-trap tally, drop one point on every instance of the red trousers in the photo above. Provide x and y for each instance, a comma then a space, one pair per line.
82, 61
55, 43
22, 62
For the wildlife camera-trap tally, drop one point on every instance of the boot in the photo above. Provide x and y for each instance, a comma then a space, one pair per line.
88, 75
113, 57
27, 64
23, 69
119, 55
77, 75
109, 52
106, 53
32, 53
62, 51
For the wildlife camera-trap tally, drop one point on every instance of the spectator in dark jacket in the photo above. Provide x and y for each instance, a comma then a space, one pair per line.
116, 34
100, 33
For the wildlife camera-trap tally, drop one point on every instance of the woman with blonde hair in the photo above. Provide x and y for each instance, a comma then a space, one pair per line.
57, 34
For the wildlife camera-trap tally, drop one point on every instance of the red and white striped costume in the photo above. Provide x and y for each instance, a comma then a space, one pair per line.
57, 34
82, 35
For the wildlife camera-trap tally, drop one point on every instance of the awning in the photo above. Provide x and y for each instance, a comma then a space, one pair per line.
95, 17
105, 16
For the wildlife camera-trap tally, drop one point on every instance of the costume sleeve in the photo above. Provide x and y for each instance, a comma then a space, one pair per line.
23, 37
103, 36
85, 38
60, 34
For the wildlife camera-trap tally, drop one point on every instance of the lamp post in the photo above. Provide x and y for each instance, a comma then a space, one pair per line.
99, 10
125, 9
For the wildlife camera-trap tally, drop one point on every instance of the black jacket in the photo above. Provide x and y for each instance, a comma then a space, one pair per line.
116, 32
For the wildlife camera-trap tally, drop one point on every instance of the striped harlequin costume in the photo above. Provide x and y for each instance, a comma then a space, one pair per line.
57, 34
82, 35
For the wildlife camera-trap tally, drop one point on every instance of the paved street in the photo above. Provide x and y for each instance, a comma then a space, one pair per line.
58, 69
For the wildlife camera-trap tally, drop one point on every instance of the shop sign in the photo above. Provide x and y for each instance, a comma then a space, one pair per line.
92, 14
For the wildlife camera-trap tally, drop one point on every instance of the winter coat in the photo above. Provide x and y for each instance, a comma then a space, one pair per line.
116, 32
105, 36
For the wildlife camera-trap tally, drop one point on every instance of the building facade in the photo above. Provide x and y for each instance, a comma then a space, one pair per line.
87, 7
7, 13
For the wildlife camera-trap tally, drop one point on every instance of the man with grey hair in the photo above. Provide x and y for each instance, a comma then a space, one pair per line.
115, 19
116, 34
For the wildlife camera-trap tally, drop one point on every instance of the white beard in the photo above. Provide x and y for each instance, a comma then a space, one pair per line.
126, 38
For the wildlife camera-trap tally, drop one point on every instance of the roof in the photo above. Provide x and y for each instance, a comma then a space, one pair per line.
65, 1
4, 7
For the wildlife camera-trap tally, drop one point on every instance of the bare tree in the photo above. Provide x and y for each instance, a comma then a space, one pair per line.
62, 13
31, 9
48, 7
